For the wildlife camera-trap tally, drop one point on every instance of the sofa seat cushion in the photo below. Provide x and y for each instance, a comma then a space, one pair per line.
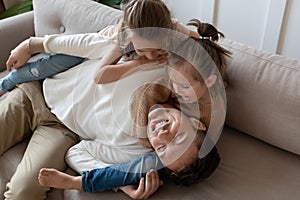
252, 169
9, 162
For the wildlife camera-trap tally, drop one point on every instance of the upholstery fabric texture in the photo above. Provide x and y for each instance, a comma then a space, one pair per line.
263, 95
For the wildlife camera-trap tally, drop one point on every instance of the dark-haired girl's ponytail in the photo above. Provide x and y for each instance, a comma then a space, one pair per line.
206, 30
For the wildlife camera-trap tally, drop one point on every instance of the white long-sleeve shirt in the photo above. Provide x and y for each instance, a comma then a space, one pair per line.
94, 112
89, 45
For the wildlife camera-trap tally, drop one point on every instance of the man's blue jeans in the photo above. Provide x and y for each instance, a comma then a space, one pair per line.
42, 68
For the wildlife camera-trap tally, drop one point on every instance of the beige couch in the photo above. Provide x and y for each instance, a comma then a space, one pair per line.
260, 144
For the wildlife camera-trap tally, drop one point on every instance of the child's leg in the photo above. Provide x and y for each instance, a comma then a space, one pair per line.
49, 177
37, 70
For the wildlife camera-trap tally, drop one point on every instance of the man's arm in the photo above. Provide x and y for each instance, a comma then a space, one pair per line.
89, 45
19, 56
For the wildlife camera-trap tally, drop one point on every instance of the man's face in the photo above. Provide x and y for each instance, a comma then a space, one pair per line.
173, 137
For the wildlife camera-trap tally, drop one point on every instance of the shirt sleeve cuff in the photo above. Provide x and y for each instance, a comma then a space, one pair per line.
36, 45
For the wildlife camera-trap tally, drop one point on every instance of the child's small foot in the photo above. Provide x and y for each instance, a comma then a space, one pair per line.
53, 178
2, 92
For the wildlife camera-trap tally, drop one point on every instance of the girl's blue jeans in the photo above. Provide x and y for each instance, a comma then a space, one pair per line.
121, 174
42, 68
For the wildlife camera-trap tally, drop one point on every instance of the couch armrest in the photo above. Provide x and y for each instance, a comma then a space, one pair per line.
14, 30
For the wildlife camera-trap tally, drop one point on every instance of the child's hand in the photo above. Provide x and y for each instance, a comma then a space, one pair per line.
18, 56
157, 60
148, 64
144, 190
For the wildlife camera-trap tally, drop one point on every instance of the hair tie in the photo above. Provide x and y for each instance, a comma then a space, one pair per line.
205, 38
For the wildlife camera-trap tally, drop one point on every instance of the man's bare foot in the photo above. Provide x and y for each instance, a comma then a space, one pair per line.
53, 178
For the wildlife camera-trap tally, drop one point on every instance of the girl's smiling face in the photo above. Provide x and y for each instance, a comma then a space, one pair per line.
184, 83
151, 50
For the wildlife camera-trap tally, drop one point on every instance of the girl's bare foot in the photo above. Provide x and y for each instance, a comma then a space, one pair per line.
53, 178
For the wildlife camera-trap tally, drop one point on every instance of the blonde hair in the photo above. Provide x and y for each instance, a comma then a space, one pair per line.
140, 14
147, 13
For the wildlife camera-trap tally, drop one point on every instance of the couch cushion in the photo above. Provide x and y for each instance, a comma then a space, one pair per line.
9, 162
72, 16
264, 95
252, 169
14, 30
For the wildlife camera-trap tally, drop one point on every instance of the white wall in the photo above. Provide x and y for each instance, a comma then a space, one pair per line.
270, 25
290, 43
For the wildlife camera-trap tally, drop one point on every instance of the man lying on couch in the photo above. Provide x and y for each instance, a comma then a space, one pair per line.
23, 109
75, 106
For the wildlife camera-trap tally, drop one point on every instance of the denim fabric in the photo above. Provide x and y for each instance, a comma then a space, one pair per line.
40, 69
121, 174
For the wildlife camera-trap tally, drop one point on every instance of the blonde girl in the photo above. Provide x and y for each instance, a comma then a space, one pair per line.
140, 32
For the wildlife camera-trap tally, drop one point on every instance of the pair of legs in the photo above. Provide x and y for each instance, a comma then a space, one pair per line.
42, 68
24, 112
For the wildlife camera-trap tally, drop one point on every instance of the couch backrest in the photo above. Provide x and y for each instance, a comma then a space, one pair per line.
72, 16
263, 95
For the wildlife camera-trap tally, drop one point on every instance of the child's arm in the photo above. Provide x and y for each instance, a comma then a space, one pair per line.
121, 174
114, 72
194, 34
110, 71
185, 30
111, 58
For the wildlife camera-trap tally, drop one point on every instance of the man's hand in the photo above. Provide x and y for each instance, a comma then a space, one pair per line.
144, 190
18, 56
